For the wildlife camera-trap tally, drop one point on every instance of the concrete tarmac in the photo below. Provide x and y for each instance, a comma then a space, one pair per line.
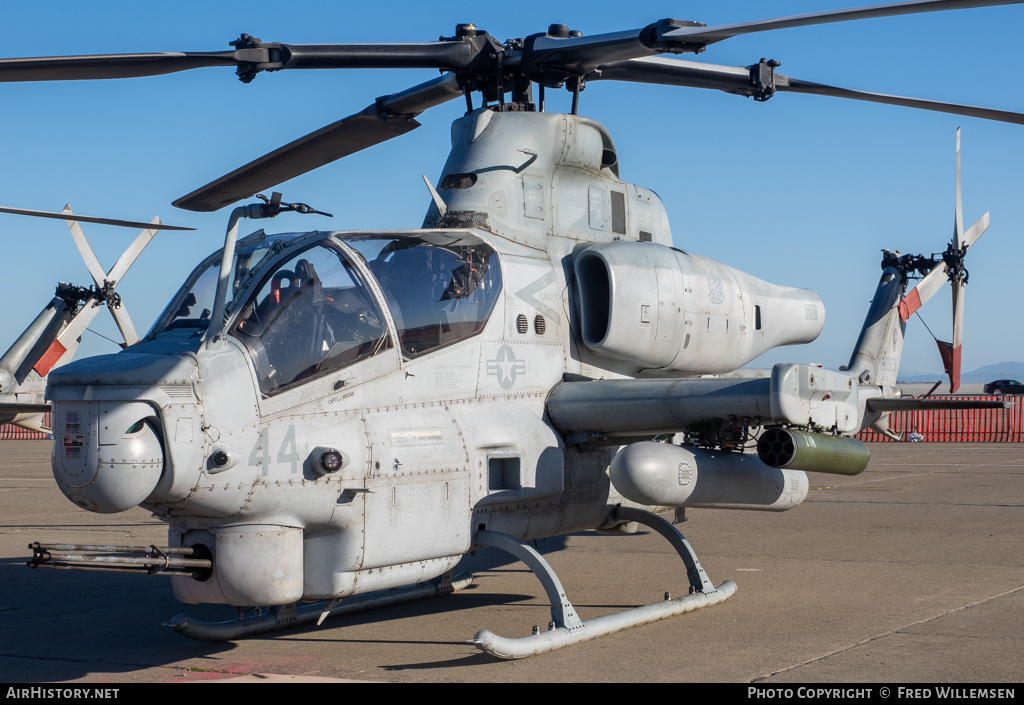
911, 572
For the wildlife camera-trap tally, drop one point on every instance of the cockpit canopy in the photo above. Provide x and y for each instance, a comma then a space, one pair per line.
439, 289
305, 306
311, 312
189, 311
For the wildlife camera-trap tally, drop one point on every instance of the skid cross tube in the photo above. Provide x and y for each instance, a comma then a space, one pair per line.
566, 627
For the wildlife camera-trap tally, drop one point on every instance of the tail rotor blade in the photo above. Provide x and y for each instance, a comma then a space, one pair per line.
958, 223
88, 256
64, 345
924, 290
128, 257
975, 231
124, 323
963, 240
959, 289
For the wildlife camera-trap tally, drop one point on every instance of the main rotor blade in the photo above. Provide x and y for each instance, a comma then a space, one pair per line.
444, 55
337, 140
91, 219
546, 57
564, 56
79, 68
709, 35
388, 117
794, 85
543, 58
256, 55
677, 72
737, 79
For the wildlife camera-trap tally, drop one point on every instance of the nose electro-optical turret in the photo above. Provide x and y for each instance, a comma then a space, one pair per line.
110, 456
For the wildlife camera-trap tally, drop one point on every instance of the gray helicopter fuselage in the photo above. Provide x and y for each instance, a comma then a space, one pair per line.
379, 397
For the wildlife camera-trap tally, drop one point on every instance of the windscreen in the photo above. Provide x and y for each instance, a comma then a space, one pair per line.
189, 311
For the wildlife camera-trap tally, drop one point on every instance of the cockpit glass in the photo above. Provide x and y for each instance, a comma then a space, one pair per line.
192, 306
311, 313
439, 291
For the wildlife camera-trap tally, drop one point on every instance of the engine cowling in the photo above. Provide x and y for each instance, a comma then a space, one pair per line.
661, 308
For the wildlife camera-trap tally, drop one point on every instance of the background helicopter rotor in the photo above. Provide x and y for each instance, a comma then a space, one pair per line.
949, 267
103, 291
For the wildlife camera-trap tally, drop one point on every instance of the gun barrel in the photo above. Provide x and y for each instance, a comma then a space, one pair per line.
149, 560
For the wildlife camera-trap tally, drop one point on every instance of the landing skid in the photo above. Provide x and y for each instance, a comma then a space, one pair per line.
292, 615
566, 628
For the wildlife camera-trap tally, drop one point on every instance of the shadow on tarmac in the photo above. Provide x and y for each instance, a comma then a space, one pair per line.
63, 625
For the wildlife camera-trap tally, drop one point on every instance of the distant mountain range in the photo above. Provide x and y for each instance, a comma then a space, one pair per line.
988, 373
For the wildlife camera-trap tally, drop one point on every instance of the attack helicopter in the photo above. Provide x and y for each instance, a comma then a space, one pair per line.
339, 416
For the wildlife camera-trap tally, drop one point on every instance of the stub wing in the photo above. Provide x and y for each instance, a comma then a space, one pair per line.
791, 395
27, 415
12, 408
806, 396
909, 404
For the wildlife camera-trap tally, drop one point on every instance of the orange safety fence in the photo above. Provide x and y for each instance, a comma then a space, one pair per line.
958, 425
10, 432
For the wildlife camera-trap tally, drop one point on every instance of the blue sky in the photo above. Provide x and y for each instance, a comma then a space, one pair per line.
801, 190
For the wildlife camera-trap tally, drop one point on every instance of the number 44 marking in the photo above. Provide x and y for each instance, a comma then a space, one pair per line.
288, 453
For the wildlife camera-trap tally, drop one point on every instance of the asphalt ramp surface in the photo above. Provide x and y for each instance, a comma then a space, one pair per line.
912, 571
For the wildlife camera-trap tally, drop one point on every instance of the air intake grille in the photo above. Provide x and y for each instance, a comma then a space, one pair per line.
522, 325
178, 391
